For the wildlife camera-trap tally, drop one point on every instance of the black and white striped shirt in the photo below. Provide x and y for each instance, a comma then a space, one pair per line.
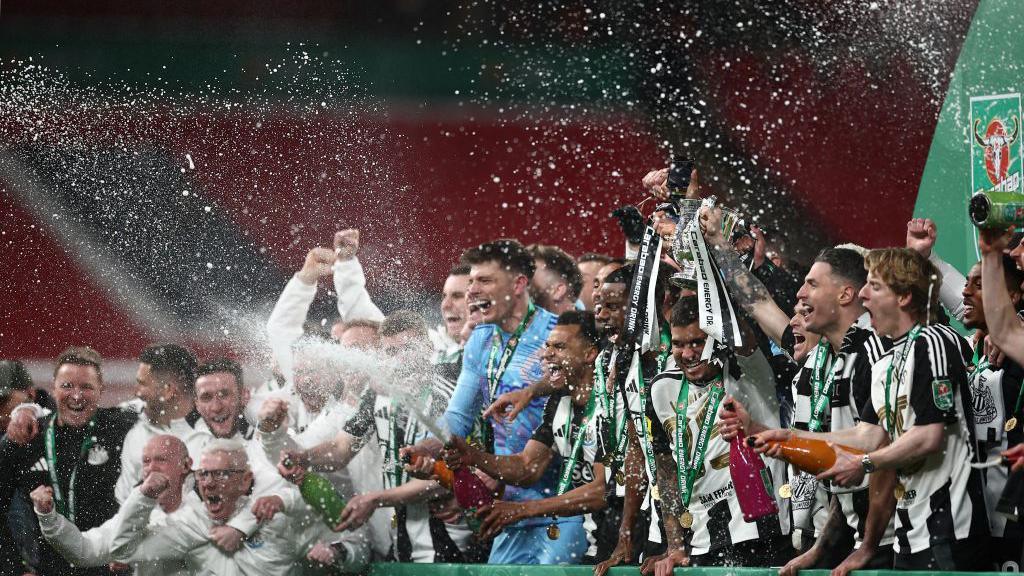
943, 500
850, 370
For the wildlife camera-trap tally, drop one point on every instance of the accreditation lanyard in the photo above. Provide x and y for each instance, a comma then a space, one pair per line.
890, 414
822, 379
686, 468
65, 507
495, 372
610, 407
569, 464
666, 349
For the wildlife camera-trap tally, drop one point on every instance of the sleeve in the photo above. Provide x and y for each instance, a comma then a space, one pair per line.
860, 385
951, 290
274, 442
544, 433
89, 548
467, 400
132, 540
935, 381
660, 442
353, 300
361, 424
285, 323
131, 470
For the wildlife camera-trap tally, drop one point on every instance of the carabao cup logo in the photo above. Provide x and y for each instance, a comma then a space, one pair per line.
997, 144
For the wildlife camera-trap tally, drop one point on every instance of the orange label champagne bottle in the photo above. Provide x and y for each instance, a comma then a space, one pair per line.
811, 456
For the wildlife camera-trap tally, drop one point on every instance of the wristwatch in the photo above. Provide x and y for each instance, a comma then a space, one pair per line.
867, 464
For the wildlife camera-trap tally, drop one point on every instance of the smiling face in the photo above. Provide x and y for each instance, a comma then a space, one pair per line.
494, 290
223, 478
220, 401
805, 340
453, 304
76, 390
820, 295
974, 312
155, 390
687, 346
883, 304
566, 358
610, 310
589, 270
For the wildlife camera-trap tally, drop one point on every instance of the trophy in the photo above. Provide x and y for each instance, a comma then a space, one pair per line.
688, 208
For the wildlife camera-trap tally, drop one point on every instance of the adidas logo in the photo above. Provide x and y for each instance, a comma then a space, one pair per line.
40, 466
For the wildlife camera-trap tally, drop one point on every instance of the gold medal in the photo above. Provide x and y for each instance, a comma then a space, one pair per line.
655, 493
620, 478
553, 532
900, 491
394, 520
1010, 424
785, 491
686, 519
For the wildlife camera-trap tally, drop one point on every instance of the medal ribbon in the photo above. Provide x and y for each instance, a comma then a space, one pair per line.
686, 469
65, 508
569, 464
494, 374
890, 414
822, 379
610, 406
635, 403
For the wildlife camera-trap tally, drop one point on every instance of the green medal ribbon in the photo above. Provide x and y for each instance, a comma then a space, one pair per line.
569, 464
610, 406
65, 508
686, 469
666, 349
890, 414
494, 373
822, 379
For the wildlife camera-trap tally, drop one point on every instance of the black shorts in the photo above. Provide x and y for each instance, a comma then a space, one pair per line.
960, 556
752, 553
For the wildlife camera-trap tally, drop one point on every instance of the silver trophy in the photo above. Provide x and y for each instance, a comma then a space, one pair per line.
682, 249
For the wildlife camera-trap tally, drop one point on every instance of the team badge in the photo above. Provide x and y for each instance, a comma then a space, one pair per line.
98, 455
942, 394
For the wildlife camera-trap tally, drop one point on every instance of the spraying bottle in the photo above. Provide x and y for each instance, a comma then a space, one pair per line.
319, 493
470, 491
996, 209
751, 480
811, 456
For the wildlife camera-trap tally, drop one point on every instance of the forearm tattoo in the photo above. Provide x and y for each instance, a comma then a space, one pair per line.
745, 289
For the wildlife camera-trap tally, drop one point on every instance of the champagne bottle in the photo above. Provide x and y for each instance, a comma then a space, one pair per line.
811, 456
996, 209
751, 480
319, 493
444, 474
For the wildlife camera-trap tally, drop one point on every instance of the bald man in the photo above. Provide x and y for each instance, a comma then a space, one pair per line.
225, 478
165, 465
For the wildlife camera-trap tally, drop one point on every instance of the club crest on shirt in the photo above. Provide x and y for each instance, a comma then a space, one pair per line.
984, 405
255, 541
942, 394
97, 455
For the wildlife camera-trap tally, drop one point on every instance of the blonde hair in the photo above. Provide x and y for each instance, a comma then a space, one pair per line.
905, 272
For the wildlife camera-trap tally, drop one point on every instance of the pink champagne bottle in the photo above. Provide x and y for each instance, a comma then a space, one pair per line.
751, 480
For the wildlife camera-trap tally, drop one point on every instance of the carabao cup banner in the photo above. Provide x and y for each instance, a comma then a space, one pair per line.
977, 142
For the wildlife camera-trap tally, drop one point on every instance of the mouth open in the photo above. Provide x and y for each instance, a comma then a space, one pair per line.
482, 305
555, 373
799, 338
214, 503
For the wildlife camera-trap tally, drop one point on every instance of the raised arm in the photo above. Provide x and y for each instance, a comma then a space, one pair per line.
921, 236
746, 290
354, 301
1003, 326
89, 548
